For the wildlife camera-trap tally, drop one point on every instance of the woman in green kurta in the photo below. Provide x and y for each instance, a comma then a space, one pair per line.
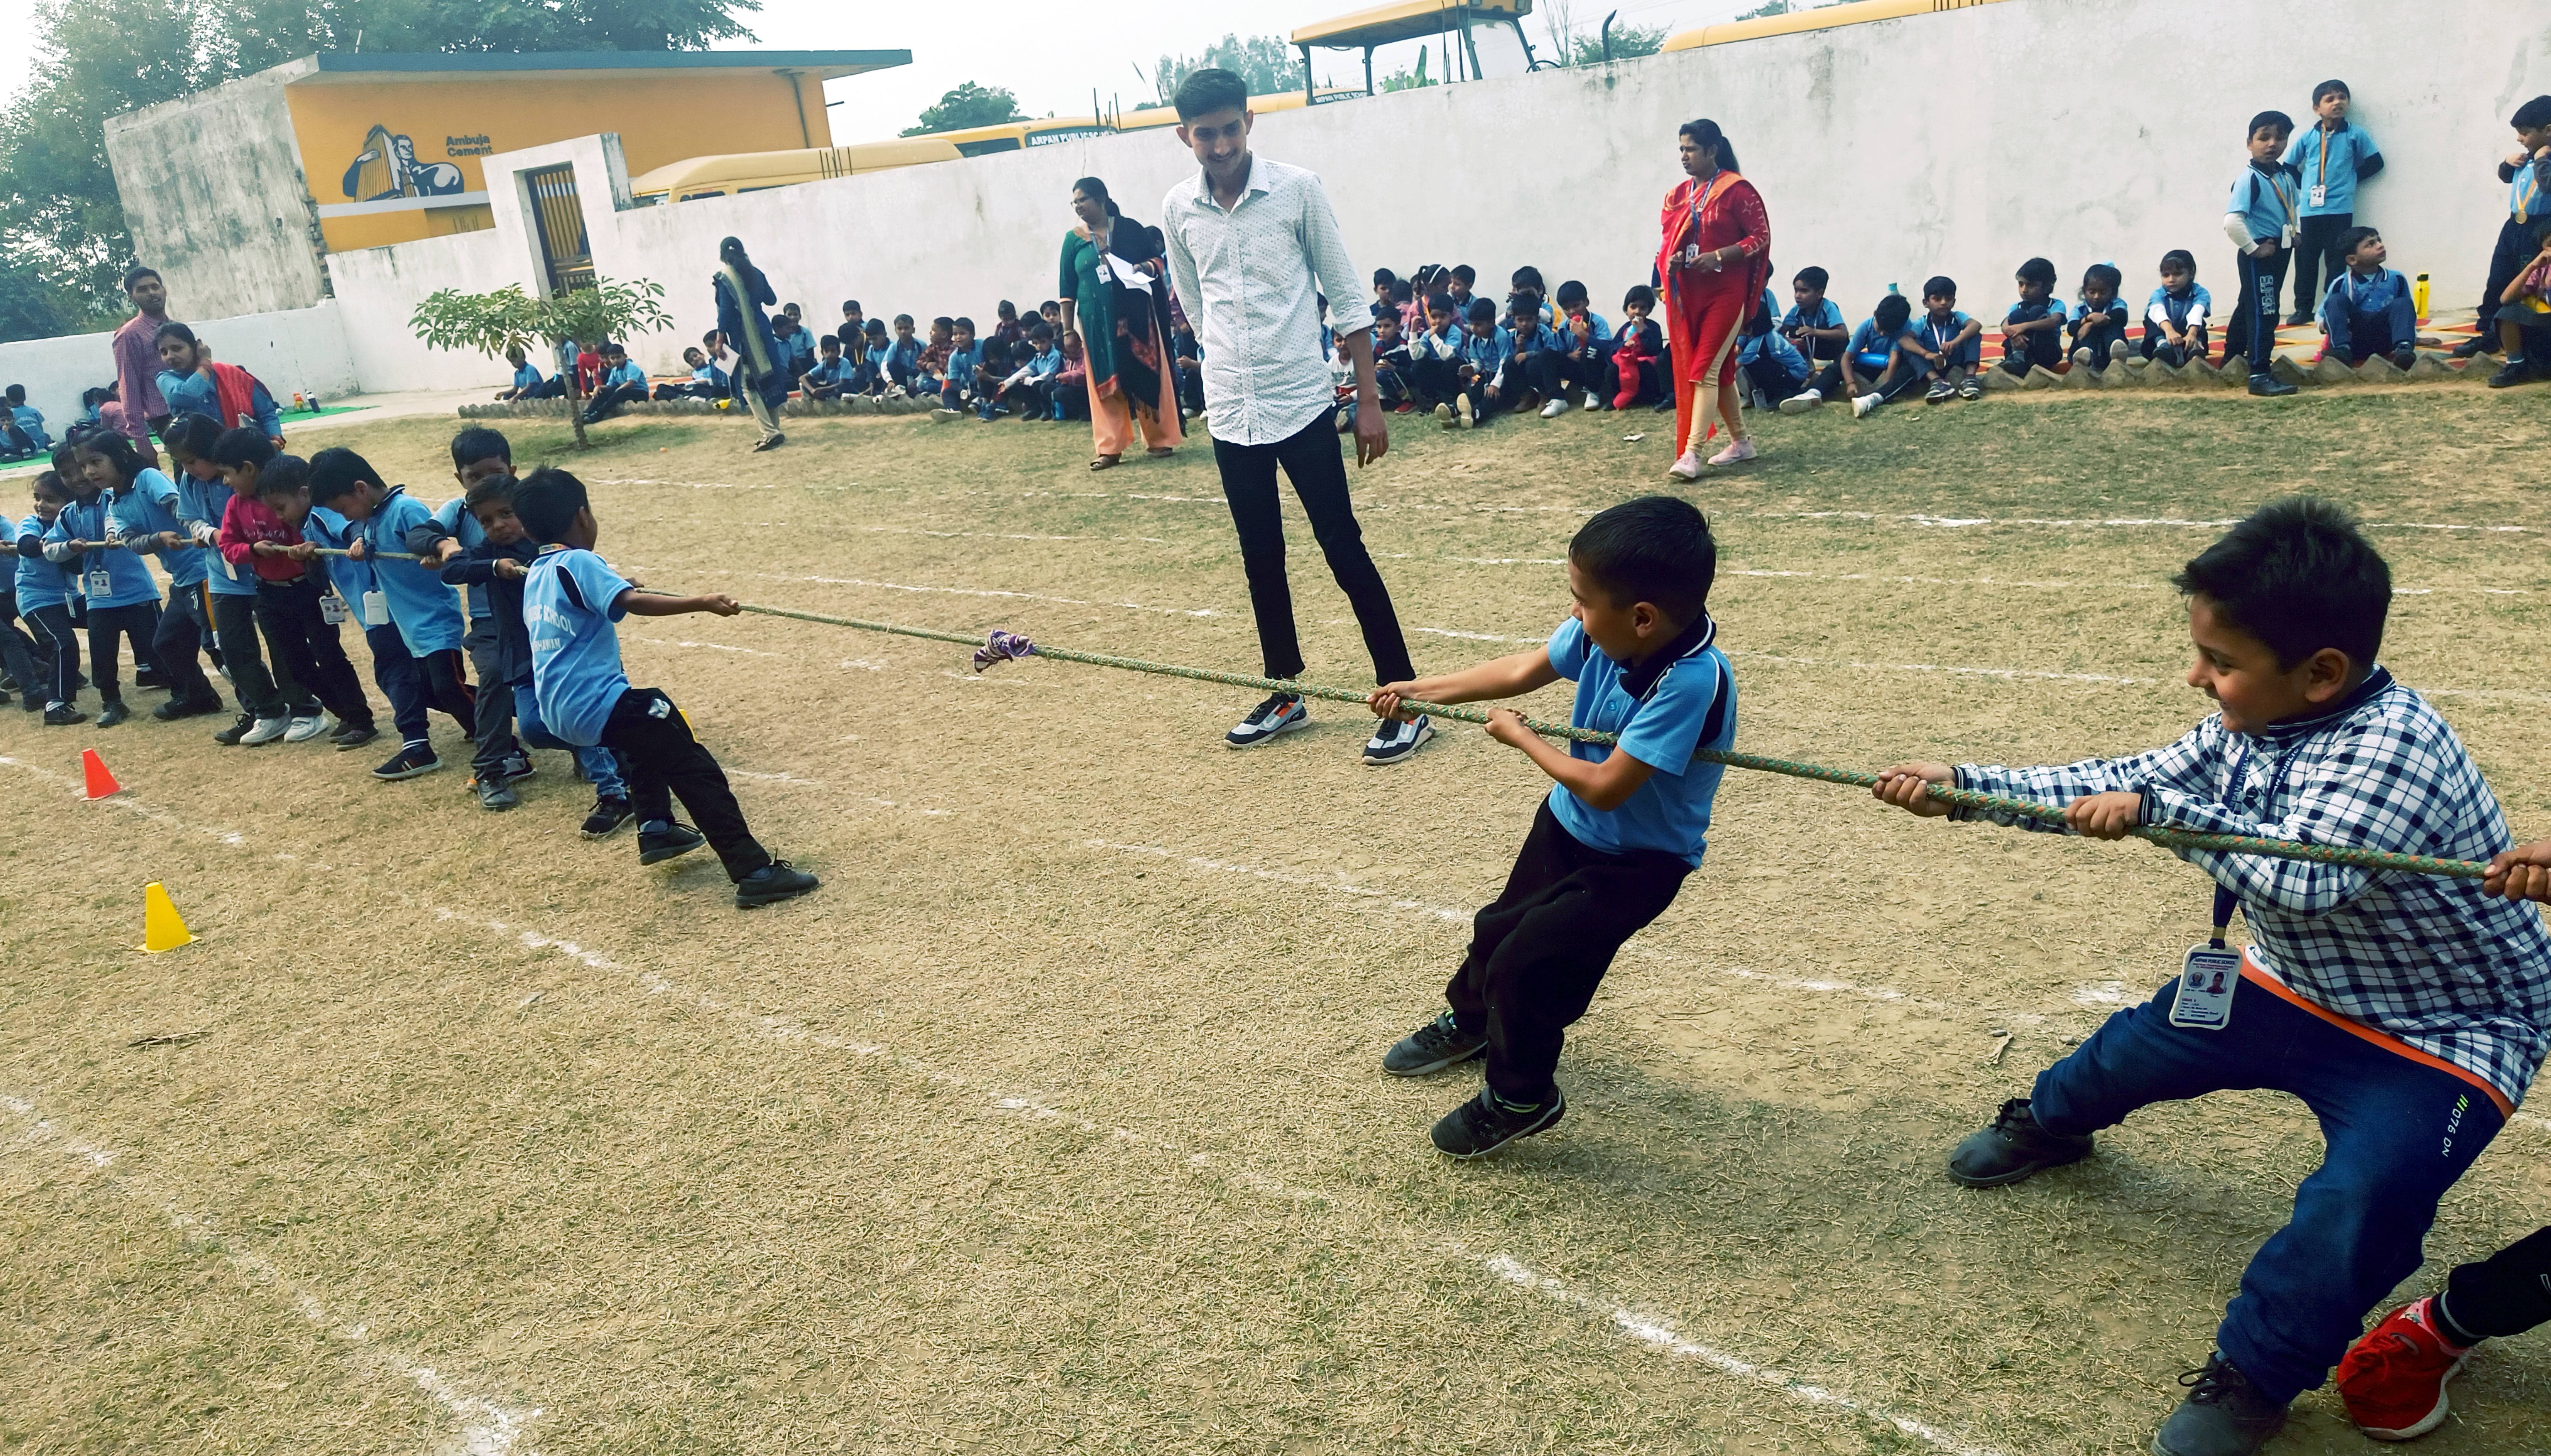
1115, 296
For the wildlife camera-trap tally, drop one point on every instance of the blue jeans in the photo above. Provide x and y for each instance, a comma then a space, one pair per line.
601, 766
2398, 1133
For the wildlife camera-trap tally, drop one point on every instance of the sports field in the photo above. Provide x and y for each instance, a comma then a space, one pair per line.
1054, 1122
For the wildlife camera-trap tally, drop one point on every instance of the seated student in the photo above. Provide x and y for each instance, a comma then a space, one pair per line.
958, 370
930, 366
143, 517
1486, 347
1404, 302
2526, 175
1067, 393
528, 383
874, 376
588, 369
830, 374
1620, 828
623, 384
1774, 371
122, 598
1874, 368
2523, 321
1001, 346
1638, 352
1526, 282
2098, 327
570, 600
2368, 310
430, 626
1946, 344
1021, 392
272, 702
1529, 343
1434, 357
797, 344
14, 443
1390, 363
29, 420
714, 344
1584, 359
2175, 315
1458, 284
1050, 311
1386, 285
855, 326
1189, 355
707, 381
261, 532
1814, 324
193, 384
45, 589
2406, 1011
2032, 333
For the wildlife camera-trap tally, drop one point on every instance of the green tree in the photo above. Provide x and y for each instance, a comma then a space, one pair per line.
1408, 80
1268, 64
1627, 42
493, 323
969, 105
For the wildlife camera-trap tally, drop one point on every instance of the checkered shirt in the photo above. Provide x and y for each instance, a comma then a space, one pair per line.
2432, 961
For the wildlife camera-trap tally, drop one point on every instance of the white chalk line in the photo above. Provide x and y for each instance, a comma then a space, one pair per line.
713, 647
485, 1428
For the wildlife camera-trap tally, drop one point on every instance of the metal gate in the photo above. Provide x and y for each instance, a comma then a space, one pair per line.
554, 211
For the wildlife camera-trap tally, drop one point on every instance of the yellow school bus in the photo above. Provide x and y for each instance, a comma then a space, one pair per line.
752, 171
1015, 136
1823, 18
1152, 116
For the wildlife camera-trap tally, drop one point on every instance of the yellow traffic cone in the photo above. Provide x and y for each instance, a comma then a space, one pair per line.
162, 928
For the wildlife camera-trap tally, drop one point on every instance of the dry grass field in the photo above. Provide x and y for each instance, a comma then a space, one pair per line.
1054, 1122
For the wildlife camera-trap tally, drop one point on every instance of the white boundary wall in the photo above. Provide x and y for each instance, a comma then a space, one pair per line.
2022, 153
300, 348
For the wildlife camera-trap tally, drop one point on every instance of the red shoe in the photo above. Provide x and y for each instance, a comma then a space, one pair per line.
2393, 1380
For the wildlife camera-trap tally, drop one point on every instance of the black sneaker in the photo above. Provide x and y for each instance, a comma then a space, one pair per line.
229, 738
672, 841
2012, 1148
1394, 742
1282, 712
409, 761
2478, 343
1489, 1121
1429, 1049
113, 713
177, 708
2405, 359
63, 716
2514, 372
773, 882
496, 794
607, 818
2297, 319
353, 738
2268, 386
2224, 1416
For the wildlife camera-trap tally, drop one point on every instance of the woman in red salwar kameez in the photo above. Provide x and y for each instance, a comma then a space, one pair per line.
1710, 267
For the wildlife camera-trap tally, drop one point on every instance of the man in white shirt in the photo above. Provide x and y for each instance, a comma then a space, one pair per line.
1252, 245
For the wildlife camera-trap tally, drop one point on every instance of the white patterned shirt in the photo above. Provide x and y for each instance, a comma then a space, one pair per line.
1250, 279
2436, 962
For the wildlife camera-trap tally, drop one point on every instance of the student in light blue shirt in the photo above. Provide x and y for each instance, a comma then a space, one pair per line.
964, 367
2174, 316
426, 612
1529, 342
2368, 310
2032, 333
1486, 349
2328, 160
1814, 324
123, 597
528, 383
622, 383
51, 679
477, 453
1583, 359
1874, 368
2261, 216
29, 420
1774, 371
1621, 828
146, 522
190, 384
1945, 343
571, 601
350, 587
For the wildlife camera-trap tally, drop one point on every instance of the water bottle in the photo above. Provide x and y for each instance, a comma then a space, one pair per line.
2419, 293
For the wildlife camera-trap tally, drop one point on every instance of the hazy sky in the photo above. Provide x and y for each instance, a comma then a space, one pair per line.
1050, 52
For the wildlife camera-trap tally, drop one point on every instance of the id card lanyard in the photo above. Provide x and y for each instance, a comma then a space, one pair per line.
2320, 187
100, 581
2209, 975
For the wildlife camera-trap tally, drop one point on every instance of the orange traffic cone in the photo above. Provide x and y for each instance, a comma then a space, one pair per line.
100, 782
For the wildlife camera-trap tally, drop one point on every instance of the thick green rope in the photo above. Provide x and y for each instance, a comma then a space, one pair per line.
2372, 859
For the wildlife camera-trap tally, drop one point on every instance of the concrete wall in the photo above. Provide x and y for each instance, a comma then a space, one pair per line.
300, 348
379, 287
214, 198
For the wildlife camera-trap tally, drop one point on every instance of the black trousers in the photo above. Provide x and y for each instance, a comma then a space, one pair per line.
1539, 951
58, 642
662, 760
2316, 244
1553, 372
2252, 334
493, 707
1433, 382
2157, 345
305, 640
2507, 1292
1313, 461
183, 636
262, 694
2043, 347
2518, 242
108, 629
1773, 377
21, 655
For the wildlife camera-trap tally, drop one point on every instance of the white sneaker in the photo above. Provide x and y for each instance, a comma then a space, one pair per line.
1394, 743
1282, 712
1554, 409
1800, 403
1860, 407
1444, 416
303, 729
1463, 413
1593, 400
1687, 467
266, 730
1737, 449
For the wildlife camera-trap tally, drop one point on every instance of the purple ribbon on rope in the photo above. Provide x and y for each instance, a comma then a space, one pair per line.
1003, 646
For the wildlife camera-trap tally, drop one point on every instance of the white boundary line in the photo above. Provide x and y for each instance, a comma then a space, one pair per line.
485, 1428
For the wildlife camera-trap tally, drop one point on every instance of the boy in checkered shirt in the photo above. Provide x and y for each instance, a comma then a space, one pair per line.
2407, 1012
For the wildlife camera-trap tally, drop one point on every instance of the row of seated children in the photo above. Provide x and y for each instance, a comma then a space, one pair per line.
1472, 362
22, 428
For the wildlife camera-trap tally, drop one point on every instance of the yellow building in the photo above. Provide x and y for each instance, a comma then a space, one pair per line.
236, 193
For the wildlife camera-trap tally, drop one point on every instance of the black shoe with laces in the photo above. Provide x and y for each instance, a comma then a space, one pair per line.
1438, 1045
2012, 1148
1282, 712
63, 716
2514, 372
671, 839
773, 882
2478, 343
607, 818
229, 738
113, 713
409, 761
2268, 386
349, 738
177, 708
2223, 1414
1489, 1121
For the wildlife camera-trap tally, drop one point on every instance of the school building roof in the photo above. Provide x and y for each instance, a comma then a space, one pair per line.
375, 66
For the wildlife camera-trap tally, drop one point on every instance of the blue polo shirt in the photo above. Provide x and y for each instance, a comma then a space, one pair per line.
2328, 161
1671, 810
204, 501
1871, 346
457, 522
1825, 315
40, 583
571, 600
324, 527
1489, 354
127, 580
2268, 203
150, 508
528, 377
425, 611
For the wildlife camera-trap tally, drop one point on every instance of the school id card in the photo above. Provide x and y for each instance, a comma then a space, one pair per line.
2208, 979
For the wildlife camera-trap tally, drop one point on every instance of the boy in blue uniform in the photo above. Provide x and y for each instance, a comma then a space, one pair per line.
2328, 160
1587, 361
144, 520
122, 599
2409, 1011
477, 453
271, 700
348, 586
51, 680
1945, 344
830, 375
1486, 347
1620, 827
2260, 217
2174, 316
528, 384
1774, 371
425, 613
2032, 333
2369, 310
1529, 341
623, 384
2098, 327
2527, 175
29, 420
1813, 324
571, 600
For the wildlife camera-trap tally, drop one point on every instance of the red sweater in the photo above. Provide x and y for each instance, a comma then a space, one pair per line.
246, 521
